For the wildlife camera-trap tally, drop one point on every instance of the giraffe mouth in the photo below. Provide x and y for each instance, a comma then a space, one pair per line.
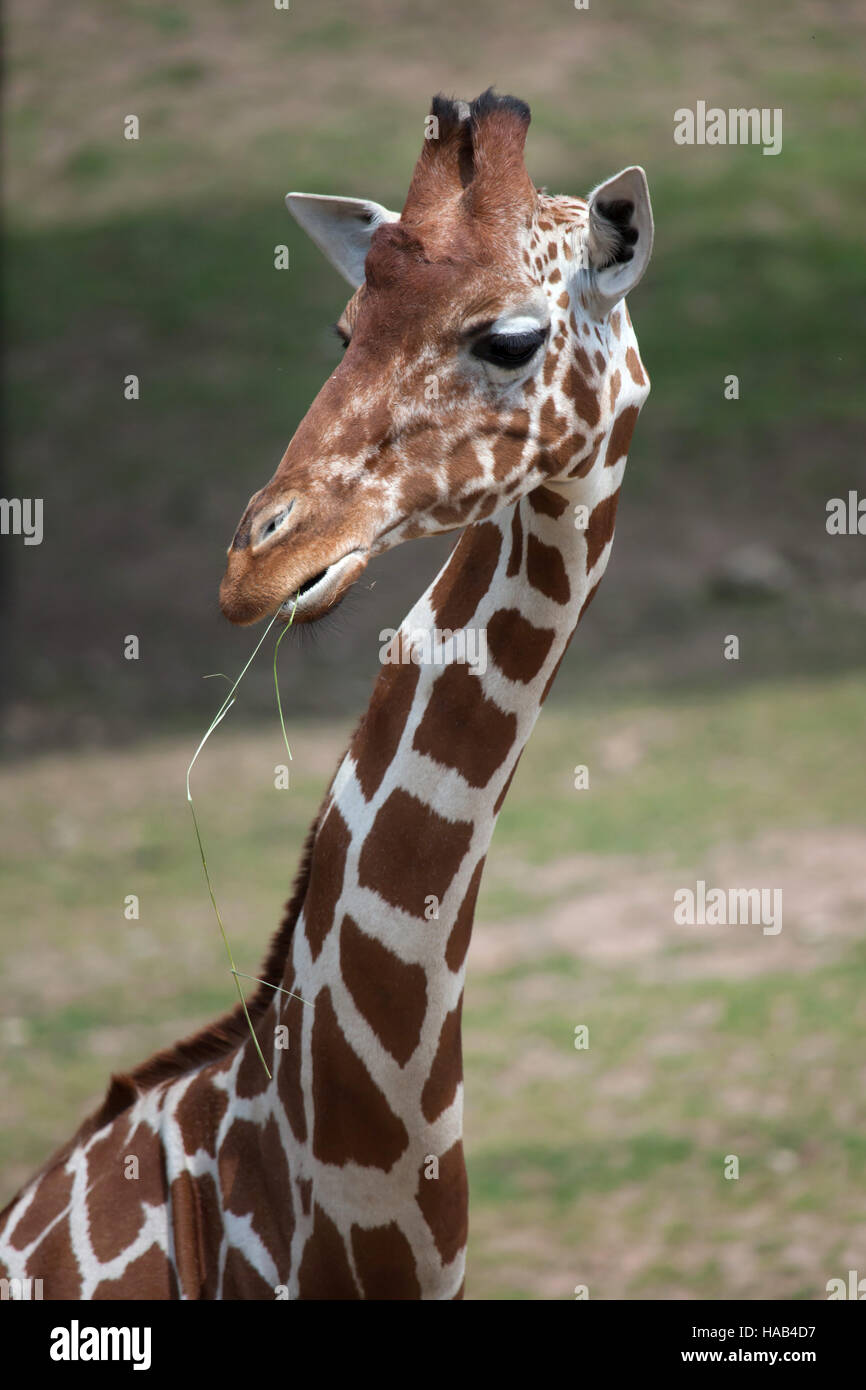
322, 590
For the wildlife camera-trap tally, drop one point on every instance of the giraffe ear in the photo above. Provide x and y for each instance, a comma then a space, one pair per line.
341, 227
620, 234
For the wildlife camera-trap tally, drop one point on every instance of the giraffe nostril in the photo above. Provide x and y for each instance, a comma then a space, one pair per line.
274, 523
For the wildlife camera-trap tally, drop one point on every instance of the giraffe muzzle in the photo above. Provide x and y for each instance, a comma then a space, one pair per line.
323, 590
297, 588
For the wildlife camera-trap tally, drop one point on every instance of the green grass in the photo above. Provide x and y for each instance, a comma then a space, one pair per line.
698, 771
585, 1167
614, 1175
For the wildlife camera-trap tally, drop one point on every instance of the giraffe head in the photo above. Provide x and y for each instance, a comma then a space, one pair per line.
487, 352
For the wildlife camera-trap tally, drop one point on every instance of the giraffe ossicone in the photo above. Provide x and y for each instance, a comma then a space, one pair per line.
343, 1176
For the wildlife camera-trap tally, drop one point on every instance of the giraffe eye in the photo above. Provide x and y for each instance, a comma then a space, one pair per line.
510, 349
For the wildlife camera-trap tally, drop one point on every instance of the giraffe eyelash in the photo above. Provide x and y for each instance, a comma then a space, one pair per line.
510, 350
338, 331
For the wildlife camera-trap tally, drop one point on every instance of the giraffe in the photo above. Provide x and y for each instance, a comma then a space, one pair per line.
490, 386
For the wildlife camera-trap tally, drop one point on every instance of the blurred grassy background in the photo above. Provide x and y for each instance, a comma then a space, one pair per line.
156, 257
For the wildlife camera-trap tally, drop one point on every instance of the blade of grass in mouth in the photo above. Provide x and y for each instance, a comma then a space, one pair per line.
217, 719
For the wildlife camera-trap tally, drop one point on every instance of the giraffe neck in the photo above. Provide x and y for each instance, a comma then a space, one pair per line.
369, 1079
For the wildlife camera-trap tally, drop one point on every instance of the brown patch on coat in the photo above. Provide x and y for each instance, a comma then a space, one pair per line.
516, 555
588, 600
379, 732
467, 576
552, 677
50, 1199
464, 730
582, 394
325, 1272
462, 464
518, 647
289, 1086
497, 805
632, 361
546, 502
385, 1262
252, 1079
411, 852
600, 528
545, 570
199, 1113
444, 1203
620, 435
553, 426
114, 1210
458, 940
446, 1072
196, 1222
352, 1120
115, 1203
509, 444
53, 1261
241, 1281
389, 993
326, 879
254, 1180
